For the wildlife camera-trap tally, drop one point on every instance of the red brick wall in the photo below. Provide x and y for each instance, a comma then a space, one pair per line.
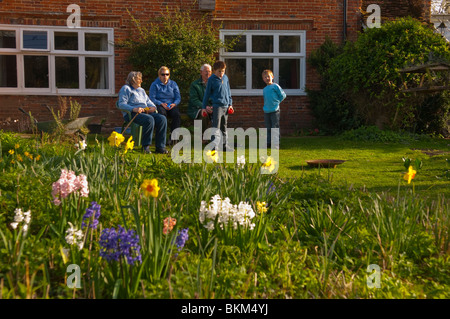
419, 9
318, 17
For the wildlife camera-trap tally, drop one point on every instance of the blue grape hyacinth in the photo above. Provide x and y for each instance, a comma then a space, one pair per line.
182, 237
91, 211
121, 243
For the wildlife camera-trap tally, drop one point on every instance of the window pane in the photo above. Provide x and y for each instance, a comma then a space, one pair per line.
7, 39
289, 44
36, 71
67, 72
35, 40
8, 71
289, 73
258, 66
66, 41
96, 41
97, 73
262, 43
236, 69
240, 44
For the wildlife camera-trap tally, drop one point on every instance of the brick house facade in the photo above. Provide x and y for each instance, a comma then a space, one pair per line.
101, 67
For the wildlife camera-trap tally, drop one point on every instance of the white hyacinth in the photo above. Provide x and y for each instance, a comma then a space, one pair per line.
240, 161
74, 236
20, 217
226, 213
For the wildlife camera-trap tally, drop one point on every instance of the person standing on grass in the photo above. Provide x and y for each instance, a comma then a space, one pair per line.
218, 89
273, 95
196, 93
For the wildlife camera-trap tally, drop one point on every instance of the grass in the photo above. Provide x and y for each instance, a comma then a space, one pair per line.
373, 166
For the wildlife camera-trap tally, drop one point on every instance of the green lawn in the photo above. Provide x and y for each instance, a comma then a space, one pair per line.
373, 166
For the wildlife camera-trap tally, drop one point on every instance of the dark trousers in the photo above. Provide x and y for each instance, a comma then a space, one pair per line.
272, 120
173, 114
149, 122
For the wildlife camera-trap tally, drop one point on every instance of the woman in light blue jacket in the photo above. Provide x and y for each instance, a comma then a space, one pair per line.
132, 98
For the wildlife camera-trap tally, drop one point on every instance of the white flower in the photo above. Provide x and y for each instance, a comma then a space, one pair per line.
226, 213
240, 161
74, 236
81, 145
20, 217
210, 225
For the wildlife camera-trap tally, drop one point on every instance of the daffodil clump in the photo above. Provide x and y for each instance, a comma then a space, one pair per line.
115, 139
268, 166
213, 156
410, 174
15, 156
226, 214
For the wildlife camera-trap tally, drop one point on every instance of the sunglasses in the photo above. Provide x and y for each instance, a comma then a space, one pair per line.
165, 74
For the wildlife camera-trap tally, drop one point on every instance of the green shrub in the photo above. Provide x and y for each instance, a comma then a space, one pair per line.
332, 111
363, 83
368, 71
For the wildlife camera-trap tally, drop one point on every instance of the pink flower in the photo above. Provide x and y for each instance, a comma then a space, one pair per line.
68, 183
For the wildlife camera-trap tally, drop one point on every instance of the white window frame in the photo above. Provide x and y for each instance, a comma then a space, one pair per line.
276, 55
52, 53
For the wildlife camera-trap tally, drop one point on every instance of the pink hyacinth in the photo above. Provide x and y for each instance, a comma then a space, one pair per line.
68, 183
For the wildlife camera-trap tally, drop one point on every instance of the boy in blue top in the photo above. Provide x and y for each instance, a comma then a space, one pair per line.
273, 96
218, 90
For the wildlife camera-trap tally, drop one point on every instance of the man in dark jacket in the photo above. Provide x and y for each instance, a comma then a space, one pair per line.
196, 93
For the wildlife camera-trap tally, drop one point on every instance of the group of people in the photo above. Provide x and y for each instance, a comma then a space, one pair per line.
209, 100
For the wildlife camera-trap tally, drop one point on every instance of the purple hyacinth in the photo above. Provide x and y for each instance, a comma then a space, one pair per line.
121, 243
91, 211
182, 237
272, 188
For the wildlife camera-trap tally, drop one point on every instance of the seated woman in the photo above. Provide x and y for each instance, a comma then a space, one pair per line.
166, 95
132, 98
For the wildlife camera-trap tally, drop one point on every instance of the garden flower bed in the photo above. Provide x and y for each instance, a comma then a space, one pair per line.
101, 220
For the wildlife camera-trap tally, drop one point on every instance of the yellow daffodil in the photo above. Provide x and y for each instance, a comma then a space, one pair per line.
261, 207
16, 146
150, 187
19, 158
115, 139
269, 164
11, 152
129, 145
410, 175
38, 157
213, 155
